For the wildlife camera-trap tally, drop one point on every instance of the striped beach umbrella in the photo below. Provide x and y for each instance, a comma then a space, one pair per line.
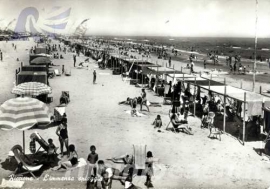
23, 113
41, 60
32, 89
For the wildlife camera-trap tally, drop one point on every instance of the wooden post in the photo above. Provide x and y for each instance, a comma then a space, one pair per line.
224, 109
244, 117
194, 99
208, 84
23, 142
241, 84
260, 89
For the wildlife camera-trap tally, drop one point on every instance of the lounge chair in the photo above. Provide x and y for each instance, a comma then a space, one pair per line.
43, 144
68, 72
214, 131
57, 72
22, 165
182, 126
139, 156
65, 96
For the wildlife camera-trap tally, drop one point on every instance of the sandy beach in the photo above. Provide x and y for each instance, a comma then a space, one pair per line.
95, 118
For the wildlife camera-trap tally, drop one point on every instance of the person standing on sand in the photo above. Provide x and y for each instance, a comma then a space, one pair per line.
234, 68
192, 67
170, 61
1, 55
144, 100
74, 59
94, 76
231, 68
204, 64
63, 136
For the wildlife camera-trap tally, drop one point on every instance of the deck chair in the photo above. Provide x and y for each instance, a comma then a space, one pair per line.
182, 127
22, 165
66, 94
68, 72
214, 131
43, 144
139, 156
57, 72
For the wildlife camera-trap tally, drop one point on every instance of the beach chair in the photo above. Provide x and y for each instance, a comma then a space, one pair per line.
57, 72
139, 156
22, 165
59, 112
68, 72
43, 144
66, 93
214, 131
182, 127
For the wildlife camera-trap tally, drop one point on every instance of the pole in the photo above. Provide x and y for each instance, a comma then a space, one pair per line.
244, 117
23, 142
241, 84
255, 54
224, 108
194, 99
260, 89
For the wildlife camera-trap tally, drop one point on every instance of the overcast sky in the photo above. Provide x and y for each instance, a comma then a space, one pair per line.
149, 17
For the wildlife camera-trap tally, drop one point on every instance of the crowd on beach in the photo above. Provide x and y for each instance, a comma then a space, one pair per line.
101, 175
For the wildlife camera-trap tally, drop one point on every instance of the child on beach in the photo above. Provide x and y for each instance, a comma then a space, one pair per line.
158, 122
92, 159
133, 107
51, 149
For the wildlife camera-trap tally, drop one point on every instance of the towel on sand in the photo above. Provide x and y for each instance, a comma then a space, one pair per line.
138, 113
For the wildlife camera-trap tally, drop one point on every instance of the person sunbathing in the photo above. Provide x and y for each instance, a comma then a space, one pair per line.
72, 160
178, 124
127, 102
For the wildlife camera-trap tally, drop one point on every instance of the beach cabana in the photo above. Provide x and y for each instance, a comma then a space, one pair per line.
29, 76
249, 103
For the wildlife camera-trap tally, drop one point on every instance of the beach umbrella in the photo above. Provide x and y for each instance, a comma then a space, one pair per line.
23, 113
45, 55
41, 60
31, 88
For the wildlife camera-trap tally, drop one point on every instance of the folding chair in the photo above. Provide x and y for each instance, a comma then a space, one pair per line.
64, 98
139, 156
43, 144
182, 126
18, 153
57, 72
68, 72
214, 131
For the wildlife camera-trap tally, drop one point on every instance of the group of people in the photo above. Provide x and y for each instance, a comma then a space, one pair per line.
98, 173
241, 69
133, 102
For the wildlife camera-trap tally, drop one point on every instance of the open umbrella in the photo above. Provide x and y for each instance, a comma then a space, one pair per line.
23, 113
45, 55
31, 88
41, 60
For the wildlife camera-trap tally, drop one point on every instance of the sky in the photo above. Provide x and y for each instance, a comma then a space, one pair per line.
189, 18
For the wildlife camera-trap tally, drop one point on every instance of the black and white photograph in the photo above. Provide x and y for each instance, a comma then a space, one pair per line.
135, 94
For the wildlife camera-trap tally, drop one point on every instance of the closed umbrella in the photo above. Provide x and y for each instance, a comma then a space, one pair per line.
23, 113
31, 88
41, 60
